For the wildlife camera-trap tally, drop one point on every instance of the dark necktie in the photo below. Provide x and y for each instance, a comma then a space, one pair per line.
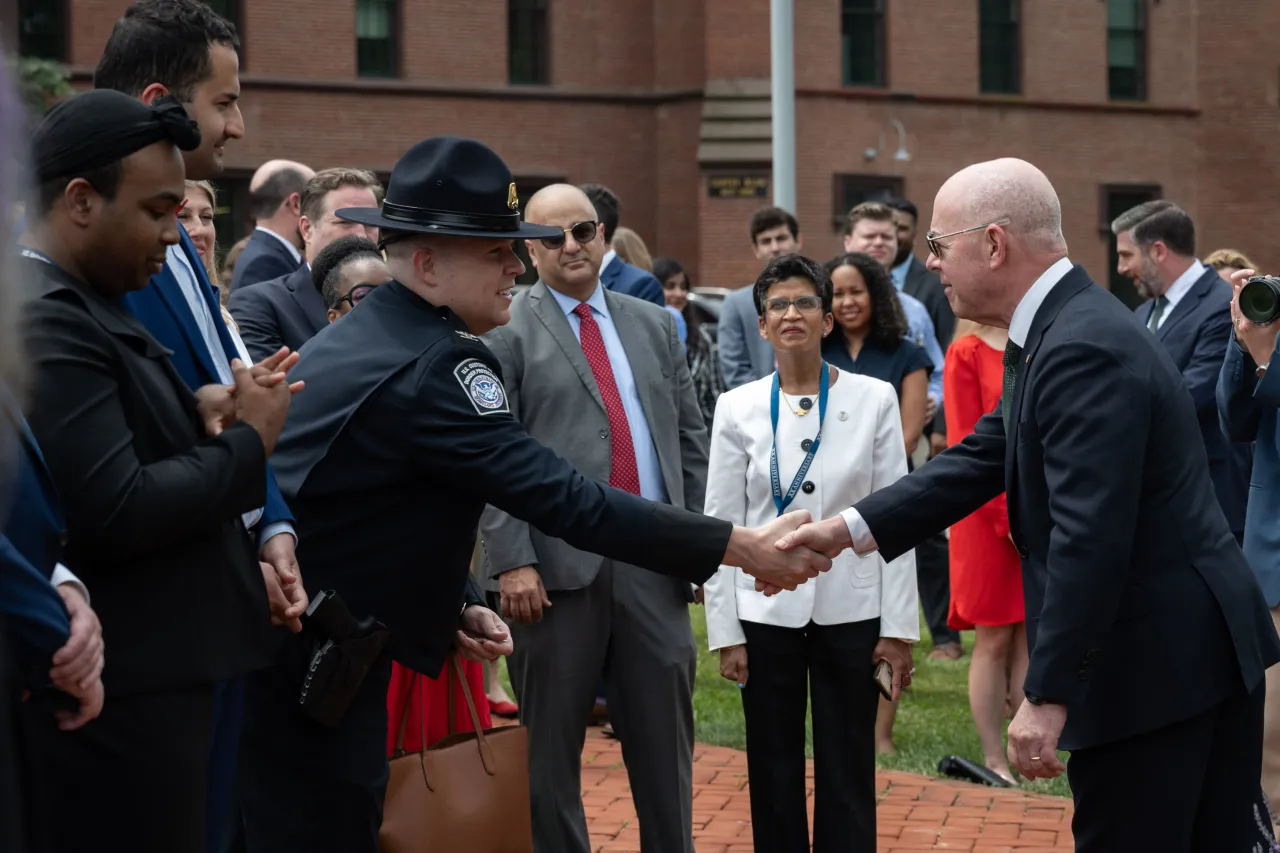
623, 473
1157, 311
1012, 367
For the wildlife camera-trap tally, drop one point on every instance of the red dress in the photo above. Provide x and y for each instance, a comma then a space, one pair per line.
437, 704
986, 575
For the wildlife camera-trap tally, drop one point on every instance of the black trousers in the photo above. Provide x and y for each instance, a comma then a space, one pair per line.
133, 779
933, 577
834, 663
1191, 787
305, 787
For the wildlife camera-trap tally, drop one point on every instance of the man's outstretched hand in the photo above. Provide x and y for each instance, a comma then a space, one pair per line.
756, 553
829, 537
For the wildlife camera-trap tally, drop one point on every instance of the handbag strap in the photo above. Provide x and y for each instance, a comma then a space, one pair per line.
404, 716
482, 742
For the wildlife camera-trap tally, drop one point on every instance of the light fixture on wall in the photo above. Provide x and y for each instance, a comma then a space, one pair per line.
902, 155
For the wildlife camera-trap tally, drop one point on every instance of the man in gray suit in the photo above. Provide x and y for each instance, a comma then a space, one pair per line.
744, 355
601, 378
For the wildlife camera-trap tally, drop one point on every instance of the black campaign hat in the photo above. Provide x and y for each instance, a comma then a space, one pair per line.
453, 186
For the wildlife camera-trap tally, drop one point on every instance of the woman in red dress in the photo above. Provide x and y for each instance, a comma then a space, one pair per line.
986, 575
431, 698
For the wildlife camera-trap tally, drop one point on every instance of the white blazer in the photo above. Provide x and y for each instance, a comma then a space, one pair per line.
861, 451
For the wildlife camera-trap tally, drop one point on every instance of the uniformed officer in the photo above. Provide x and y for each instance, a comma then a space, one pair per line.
388, 459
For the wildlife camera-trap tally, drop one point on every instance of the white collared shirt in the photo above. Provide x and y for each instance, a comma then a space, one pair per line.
1019, 329
1181, 287
608, 259
293, 250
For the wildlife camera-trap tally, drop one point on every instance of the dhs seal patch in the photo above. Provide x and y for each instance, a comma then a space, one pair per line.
482, 387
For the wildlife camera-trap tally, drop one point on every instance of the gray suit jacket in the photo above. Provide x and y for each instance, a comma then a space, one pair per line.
744, 355
553, 392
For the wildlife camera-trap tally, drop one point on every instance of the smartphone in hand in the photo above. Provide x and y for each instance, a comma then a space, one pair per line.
884, 679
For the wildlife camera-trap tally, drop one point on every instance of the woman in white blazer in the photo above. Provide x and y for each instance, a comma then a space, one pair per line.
827, 635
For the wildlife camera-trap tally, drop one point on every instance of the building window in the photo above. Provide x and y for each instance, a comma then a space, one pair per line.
862, 42
527, 41
375, 38
228, 10
999, 46
42, 29
525, 188
849, 191
1127, 50
1115, 199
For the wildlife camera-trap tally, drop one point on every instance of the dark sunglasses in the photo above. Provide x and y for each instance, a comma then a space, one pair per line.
355, 294
583, 233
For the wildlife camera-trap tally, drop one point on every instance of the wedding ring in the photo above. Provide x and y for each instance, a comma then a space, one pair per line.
1035, 758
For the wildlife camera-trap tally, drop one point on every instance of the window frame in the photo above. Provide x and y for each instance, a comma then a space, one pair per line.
541, 70
65, 49
879, 16
1012, 65
1142, 69
395, 39
844, 184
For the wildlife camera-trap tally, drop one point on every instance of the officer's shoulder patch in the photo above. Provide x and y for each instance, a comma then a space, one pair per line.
482, 387
467, 336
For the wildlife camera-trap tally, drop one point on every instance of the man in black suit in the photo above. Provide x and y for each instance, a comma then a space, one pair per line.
913, 277
1188, 309
154, 479
1148, 632
287, 311
407, 435
275, 200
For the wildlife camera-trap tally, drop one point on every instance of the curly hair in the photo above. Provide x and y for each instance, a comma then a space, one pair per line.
333, 257
888, 323
793, 266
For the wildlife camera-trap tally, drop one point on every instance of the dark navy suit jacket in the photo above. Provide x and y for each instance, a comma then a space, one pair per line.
285, 311
164, 312
30, 546
262, 258
622, 277
1249, 409
1125, 553
1195, 334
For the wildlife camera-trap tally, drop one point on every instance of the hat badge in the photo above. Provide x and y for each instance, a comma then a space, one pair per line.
513, 200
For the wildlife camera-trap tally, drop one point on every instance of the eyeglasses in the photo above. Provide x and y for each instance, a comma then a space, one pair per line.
804, 304
932, 239
583, 233
355, 294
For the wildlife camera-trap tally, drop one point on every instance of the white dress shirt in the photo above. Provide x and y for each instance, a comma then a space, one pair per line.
288, 244
608, 259
1181, 287
860, 452
1019, 329
651, 485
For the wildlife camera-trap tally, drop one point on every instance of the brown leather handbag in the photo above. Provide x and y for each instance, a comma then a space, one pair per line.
469, 793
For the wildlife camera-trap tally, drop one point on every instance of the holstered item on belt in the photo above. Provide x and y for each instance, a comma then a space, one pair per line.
342, 652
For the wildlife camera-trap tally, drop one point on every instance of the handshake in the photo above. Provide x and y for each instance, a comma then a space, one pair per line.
788, 551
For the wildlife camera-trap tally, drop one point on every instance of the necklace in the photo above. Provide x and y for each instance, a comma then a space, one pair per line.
806, 406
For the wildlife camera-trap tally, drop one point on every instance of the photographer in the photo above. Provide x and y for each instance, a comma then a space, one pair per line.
1248, 402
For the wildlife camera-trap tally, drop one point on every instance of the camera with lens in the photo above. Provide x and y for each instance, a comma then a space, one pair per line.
1260, 298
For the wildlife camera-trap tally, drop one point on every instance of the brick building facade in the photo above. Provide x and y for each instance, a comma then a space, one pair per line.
666, 101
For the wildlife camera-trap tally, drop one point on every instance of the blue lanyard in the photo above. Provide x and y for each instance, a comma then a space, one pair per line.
781, 502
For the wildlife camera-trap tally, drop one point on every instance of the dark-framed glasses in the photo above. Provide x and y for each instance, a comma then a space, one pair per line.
583, 233
355, 294
804, 304
936, 248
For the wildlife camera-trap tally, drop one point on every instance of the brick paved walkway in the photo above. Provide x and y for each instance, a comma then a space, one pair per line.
915, 812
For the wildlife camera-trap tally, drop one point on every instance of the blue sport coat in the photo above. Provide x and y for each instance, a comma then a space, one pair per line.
622, 277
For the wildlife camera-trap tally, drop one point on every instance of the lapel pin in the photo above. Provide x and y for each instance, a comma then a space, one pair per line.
844, 416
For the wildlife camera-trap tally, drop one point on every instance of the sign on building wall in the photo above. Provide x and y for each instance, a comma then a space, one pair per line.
738, 186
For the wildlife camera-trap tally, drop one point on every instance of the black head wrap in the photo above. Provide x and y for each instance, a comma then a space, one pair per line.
102, 126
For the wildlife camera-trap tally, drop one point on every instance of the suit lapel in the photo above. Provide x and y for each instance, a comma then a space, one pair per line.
548, 312
308, 299
1188, 303
915, 273
1071, 284
166, 285
639, 356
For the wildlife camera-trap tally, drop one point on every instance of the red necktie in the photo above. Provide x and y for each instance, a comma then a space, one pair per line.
623, 473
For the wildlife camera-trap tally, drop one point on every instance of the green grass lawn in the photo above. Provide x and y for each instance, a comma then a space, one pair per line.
933, 719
